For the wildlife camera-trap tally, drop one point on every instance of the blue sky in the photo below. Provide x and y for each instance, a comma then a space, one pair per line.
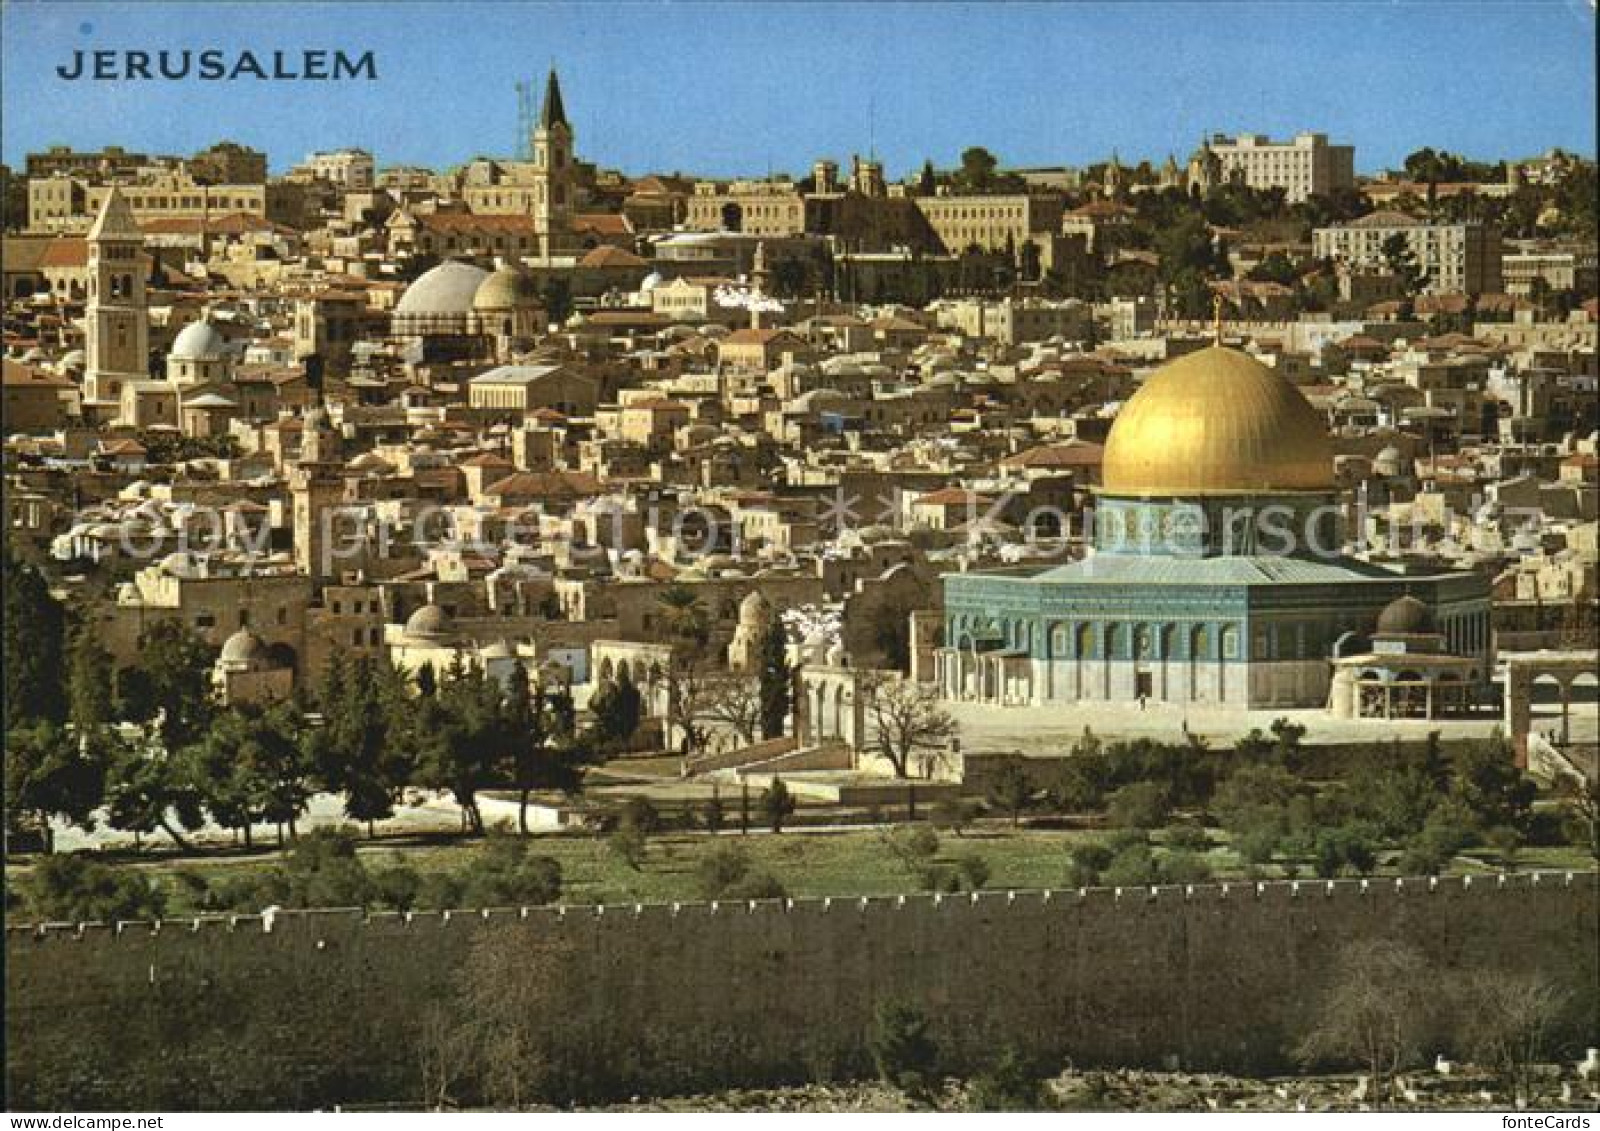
740, 88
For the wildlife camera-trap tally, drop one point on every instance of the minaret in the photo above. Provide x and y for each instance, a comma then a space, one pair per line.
760, 284
118, 315
552, 160
316, 485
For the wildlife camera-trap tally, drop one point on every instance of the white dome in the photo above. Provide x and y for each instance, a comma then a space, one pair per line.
650, 282
446, 289
199, 341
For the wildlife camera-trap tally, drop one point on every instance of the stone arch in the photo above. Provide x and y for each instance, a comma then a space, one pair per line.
607, 670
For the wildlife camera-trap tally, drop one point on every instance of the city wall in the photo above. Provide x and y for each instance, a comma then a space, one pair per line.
302, 1009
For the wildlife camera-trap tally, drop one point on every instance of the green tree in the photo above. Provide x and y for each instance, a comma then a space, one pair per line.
149, 788
1139, 805
556, 297
977, 173
1133, 866
777, 680
51, 772
1088, 860
505, 872
1011, 790
176, 662
252, 766
629, 843
903, 1050
1487, 782
73, 888
91, 683
457, 738
777, 804
617, 709
362, 749
1401, 262
35, 639
539, 736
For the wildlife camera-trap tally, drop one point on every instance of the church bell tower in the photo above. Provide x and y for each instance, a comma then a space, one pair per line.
554, 190
118, 316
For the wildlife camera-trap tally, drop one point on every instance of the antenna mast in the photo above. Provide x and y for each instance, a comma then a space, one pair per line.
525, 120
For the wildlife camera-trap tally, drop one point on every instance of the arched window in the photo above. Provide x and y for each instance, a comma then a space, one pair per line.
1085, 641
1230, 643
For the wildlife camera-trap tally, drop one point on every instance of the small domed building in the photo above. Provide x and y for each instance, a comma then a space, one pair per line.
458, 311
756, 617
199, 356
247, 671
1217, 575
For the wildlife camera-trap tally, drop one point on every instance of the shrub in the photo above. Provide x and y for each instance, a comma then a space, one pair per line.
1141, 805
1505, 840
397, 887
1346, 848
1088, 860
951, 815
757, 885
642, 815
903, 1050
1185, 867
629, 844
74, 888
721, 868
913, 845
1134, 866
1187, 837
712, 814
974, 870
777, 804
1012, 1083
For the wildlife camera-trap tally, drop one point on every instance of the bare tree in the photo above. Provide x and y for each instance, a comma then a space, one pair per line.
911, 728
736, 703
1582, 816
491, 1048
1508, 1019
1375, 1011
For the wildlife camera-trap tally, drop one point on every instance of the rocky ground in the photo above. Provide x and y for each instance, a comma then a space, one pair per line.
1130, 1090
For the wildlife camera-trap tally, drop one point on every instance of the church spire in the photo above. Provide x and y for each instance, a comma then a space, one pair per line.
552, 113
115, 221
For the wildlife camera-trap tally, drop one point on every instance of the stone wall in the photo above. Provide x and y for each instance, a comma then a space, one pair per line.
327, 1007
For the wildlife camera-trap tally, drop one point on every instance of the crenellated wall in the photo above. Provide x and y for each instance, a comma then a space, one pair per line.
308, 1008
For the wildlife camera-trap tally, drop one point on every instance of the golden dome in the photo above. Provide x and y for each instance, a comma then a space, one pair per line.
1217, 422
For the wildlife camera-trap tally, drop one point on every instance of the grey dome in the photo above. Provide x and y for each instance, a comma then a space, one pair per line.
245, 648
199, 341
446, 289
430, 621
506, 289
1405, 616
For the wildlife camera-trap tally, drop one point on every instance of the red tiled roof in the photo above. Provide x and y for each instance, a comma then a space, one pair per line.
609, 256
474, 222
69, 251
602, 223
546, 484
20, 374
